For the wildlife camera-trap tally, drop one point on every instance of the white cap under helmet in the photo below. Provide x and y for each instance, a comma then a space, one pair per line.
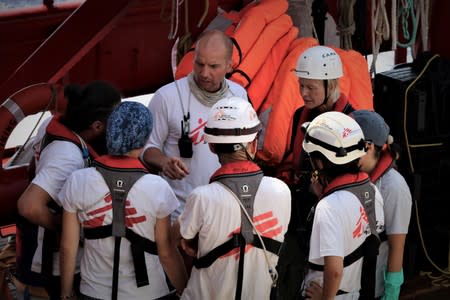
337, 136
232, 120
319, 62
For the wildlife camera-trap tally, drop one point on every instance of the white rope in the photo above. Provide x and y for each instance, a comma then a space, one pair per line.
346, 25
174, 19
424, 8
380, 29
394, 28
418, 12
272, 270
311, 20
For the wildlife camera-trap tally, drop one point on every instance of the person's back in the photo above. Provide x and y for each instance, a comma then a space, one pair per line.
216, 214
142, 211
221, 218
380, 164
348, 214
69, 142
340, 231
148, 205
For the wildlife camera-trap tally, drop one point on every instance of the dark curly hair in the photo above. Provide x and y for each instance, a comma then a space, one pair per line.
93, 102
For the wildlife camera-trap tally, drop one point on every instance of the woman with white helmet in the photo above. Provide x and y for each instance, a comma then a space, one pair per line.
349, 213
319, 69
235, 225
379, 163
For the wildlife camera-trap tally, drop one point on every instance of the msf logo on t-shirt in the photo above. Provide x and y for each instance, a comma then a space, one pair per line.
266, 224
197, 135
98, 214
362, 225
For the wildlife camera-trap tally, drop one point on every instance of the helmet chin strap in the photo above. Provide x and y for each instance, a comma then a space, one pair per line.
323, 107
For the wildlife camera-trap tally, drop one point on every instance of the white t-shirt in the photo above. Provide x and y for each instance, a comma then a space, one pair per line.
54, 165
397, 214
151, 197
214, 213
339, 227
167, 112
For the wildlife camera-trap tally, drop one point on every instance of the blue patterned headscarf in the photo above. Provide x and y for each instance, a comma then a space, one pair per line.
129, 127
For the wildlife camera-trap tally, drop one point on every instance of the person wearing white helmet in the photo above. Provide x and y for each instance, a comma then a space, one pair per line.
347, 217
318, 70
379, 163
234, 226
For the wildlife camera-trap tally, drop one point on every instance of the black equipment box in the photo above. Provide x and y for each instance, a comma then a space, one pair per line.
416, 106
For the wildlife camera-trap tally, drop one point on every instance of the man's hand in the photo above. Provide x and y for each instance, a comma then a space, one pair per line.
174, 168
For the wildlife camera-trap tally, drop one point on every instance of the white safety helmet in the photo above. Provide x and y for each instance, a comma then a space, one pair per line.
319, 62
337, 136
232, 120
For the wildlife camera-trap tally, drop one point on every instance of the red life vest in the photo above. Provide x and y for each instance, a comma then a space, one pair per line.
235, 168
242, 178
121, 162
359, 185
344, 181
120, 174
57, 131
385, 163
341, 105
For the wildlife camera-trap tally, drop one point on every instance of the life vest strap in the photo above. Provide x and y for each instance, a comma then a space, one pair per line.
139, 245
236, 241
348, 259
383, 236
120, 180
134, 238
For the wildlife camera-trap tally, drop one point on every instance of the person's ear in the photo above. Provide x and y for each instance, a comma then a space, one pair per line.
253, 147
370, 147
211, 147
229, 66
98, 126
